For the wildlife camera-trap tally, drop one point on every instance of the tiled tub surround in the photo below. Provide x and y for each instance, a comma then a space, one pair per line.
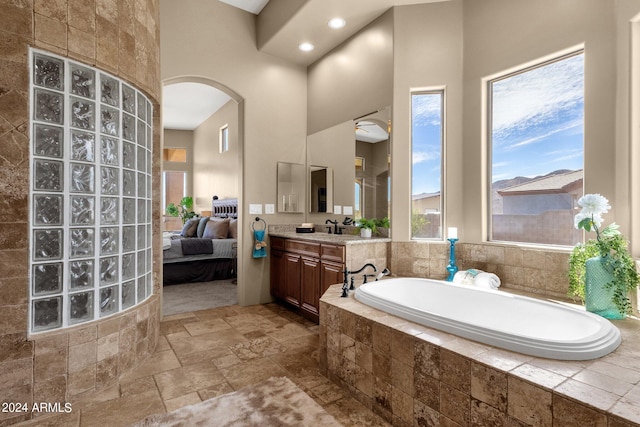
416, 376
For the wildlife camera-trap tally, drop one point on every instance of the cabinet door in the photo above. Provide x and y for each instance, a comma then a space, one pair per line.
311, 285
331, 273
277, 276
292, 284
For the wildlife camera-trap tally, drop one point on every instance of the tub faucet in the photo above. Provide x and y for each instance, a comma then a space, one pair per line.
348, 286
336, 229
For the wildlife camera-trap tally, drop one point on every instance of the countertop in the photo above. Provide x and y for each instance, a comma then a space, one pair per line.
336, 239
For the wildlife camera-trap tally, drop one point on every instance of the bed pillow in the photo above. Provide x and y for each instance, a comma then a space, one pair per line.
201, 225
216, 229
233, 228
190, 227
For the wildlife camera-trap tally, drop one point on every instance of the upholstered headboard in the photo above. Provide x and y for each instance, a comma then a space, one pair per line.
224, 208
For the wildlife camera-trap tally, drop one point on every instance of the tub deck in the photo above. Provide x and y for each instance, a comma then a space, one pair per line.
409, 373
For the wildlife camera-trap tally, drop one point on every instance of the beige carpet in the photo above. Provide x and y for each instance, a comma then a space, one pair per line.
275, 402
190, 297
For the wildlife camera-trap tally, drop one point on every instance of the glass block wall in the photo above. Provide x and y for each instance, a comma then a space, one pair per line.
90, 235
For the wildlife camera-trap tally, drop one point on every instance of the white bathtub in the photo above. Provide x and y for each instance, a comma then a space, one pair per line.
513, 322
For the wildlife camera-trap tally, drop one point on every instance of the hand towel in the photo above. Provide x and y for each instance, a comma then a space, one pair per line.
487, 281
260, 248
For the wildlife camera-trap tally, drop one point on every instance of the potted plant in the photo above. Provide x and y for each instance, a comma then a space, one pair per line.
367, 227
601, 270
184, 210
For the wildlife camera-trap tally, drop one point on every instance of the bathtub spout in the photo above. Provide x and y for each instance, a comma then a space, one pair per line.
383, 273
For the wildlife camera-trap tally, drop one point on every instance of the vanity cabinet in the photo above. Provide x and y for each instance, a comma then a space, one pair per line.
301, 271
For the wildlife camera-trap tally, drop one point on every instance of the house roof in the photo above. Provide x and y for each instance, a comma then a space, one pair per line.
423, 196
549, 184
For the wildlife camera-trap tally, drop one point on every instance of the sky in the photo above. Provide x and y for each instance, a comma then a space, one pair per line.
537, 125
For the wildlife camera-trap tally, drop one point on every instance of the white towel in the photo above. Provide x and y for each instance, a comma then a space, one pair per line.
465, 277
166, 243
487, 281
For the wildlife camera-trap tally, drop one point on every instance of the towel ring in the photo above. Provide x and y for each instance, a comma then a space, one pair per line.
258, 219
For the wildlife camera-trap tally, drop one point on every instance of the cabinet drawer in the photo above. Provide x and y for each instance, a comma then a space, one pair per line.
277, 243
303, 248
332, 252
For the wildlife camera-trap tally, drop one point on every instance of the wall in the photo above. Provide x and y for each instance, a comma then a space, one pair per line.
215, 173
215, 42
123, 39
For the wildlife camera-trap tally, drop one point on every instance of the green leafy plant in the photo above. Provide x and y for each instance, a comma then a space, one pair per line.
382, 223
610, 245
184, 210
418, 222
367, 223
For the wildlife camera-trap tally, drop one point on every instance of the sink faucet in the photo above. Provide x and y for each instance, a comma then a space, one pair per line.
336, 229
346, 286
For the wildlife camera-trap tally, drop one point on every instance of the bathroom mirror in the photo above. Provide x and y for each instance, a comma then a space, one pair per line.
321, 189
290, 188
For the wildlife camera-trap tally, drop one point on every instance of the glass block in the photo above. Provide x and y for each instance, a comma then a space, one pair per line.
83, 210
149, 180
108, 270
142, 185
109, 180
141, 138
81, 274
48, 72
142, 106
149, 140
149, 285
108, 301
109, 210
148, 219
140, 292
83, 81
80, 307
47, 314
47, 278
83, 114
109, 121
128, 294
48, 106
128, 127
128, 183
129, 211
109, 151
47, 209
141, 211
149, 163
48, 175
128, 155
140, 262
142, 237
81, 242
128, 99
48, 141
82, 178
110, 90
149, 254
82, 146
142, 159
128, 266
109, 240
47, 244
149, 112
128, 238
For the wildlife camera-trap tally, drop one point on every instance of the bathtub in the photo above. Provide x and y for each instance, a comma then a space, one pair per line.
494, 317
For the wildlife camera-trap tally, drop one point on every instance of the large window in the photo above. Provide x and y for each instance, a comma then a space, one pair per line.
537, 152
426, 150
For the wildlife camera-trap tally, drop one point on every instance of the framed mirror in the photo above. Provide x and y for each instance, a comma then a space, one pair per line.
291, 189
320, 189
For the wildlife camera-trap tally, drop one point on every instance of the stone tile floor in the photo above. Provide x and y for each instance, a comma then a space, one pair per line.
207, 353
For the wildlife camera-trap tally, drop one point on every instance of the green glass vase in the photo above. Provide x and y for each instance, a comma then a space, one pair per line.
598, 297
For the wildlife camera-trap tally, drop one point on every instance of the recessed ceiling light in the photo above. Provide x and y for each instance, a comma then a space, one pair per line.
336, 23
306, 47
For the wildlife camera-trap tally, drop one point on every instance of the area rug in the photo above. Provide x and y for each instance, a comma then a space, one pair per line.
275, 402
190, 297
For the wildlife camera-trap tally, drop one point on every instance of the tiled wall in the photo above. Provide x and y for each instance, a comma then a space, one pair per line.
118, 36
526, 269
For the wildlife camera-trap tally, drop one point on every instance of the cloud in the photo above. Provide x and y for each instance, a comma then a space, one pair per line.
568, 126
425, 156
427, 109
537, 97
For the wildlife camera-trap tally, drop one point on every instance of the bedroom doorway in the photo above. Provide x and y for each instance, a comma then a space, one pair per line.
203, 121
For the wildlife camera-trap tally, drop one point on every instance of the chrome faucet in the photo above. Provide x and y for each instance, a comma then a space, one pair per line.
348, 285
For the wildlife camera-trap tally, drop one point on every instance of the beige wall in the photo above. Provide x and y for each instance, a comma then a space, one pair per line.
122, 38
216, 173
217, 43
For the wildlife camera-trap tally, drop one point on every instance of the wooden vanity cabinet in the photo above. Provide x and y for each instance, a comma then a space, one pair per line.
301, 271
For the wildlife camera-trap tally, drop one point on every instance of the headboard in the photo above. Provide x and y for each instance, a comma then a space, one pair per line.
224, 208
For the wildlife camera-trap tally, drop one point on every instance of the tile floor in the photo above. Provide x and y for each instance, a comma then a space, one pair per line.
211, 352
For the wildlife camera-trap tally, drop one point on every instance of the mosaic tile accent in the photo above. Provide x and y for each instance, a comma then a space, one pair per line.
82, 167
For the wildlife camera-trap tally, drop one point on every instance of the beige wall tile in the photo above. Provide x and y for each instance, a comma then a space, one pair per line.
50, 31
529, 403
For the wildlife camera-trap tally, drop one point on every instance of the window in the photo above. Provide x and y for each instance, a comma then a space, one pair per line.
224, 139
177, 155
537, 152
426, 173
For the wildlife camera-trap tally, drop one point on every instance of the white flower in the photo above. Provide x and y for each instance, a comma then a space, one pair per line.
579, 217
594, 204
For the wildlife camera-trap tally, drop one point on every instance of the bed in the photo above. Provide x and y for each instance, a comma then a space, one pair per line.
205, 249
